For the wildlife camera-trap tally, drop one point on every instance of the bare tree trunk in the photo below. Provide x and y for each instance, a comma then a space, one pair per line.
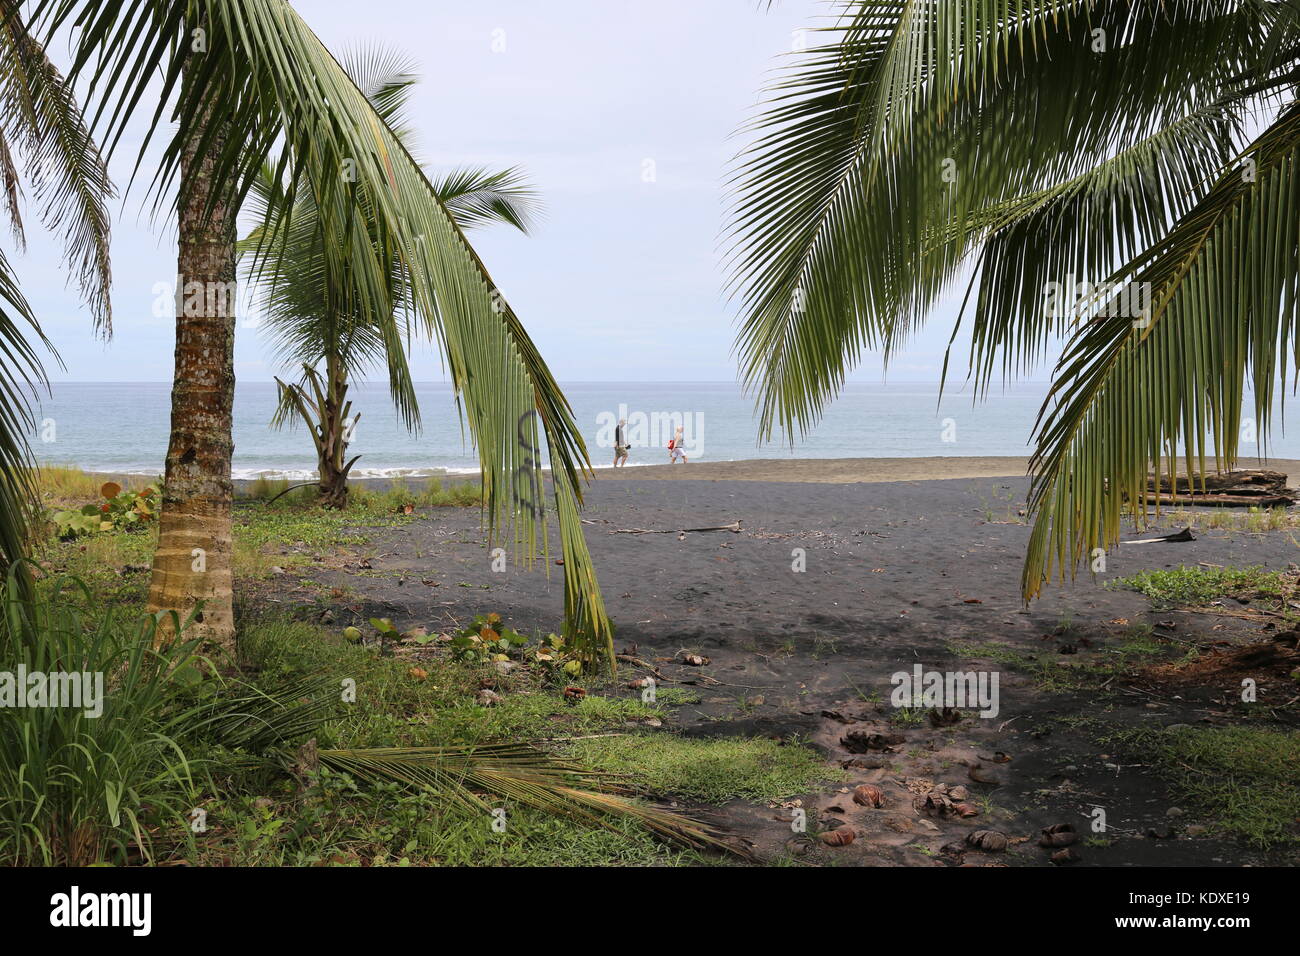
193, 560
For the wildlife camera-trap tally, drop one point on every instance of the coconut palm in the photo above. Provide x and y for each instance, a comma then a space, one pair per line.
1123, 174
43, 142
313, 326
240, 78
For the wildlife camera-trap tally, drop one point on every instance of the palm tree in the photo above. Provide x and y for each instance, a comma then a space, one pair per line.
313, 325
1148, 149
243, 76
43, 135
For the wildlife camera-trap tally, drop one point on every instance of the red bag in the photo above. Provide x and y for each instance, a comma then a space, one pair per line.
671, 443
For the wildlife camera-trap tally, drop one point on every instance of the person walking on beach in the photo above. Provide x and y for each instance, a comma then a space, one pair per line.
675, 449
620, 443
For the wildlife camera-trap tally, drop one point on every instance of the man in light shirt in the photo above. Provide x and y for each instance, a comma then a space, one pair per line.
620, 443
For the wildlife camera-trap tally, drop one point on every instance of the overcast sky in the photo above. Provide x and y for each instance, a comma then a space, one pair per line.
623, 279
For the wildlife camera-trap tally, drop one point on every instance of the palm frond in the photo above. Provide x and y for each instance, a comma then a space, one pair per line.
1224, 302
69, 176
475, 196
913, 121
525, 776
270, 79
20, 371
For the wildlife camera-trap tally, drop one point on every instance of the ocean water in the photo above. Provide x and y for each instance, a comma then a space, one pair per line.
123, 427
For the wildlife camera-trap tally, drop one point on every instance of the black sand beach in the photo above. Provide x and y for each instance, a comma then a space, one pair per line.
897, 573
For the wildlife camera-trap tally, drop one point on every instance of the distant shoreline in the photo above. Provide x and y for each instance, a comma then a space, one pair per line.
785, 470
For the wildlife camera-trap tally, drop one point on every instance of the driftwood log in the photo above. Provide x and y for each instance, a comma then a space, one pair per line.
1259, 488
734, 528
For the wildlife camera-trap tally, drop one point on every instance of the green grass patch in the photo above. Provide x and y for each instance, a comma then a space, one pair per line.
1194, 586
337, 823
1241, 779
395, 709
712, 770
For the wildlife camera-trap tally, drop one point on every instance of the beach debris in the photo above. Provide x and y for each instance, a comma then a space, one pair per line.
838, 716
972, 601
695, 660
1261, 488
734, 527
860, 742
659, 676
982, 774
868, 795
966, 809
990, 841
932, 803
840, 836
945, 717
1058, 835
864, 763
955, 849
1176, 537
1068, 855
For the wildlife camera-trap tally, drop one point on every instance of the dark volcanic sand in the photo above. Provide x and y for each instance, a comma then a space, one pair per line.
890, 570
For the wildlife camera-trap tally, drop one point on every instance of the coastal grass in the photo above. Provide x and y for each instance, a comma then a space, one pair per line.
335, 823
413, 697
1198, 586
63, 484
379, 495
1253, 520
1135, 647
94, 782
292, 533
712, 770
437, 708
1242, 780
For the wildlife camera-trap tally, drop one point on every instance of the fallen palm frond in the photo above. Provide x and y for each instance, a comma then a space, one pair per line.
526, 775
249, 718
267, 723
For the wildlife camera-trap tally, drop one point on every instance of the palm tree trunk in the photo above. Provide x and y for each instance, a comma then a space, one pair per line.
333, 429
192, 563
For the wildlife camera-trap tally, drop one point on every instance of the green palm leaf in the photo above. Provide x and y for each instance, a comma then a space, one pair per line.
269, 77
525, 776
1095, 140
42, 136
1225, 293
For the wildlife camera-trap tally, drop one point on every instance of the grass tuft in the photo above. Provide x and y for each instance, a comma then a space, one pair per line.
711, 770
